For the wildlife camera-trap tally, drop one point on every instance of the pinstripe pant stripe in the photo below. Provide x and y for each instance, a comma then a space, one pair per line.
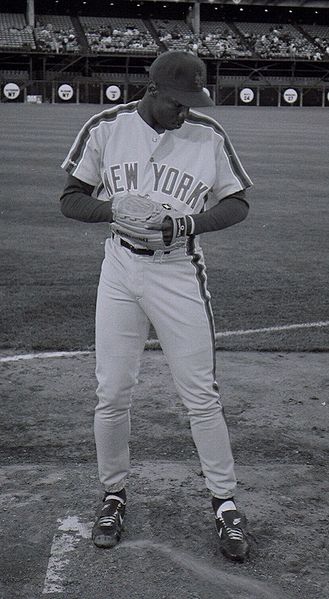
200, 269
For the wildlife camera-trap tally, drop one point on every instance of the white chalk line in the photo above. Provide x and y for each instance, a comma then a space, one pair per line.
66, 539
42, 355
154, 343
285, 327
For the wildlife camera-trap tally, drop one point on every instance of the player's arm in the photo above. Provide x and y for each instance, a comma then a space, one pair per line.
77, 202
229, 211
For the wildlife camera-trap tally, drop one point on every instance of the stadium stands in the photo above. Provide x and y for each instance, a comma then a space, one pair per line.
222, 41
55, 33
118, 35
177, 35
15, 34
320, 36
271, 40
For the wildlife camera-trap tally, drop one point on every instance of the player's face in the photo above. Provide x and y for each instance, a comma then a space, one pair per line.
168, 113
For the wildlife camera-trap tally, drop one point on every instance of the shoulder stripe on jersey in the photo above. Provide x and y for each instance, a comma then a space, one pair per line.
237, 168
106, 116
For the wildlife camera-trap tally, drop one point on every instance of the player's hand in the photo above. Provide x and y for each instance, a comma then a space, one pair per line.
183, 226
167, 229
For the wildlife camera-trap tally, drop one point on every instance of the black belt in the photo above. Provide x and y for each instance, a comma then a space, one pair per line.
140, 251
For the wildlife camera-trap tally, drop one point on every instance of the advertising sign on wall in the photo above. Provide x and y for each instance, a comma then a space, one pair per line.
65, 92
11, 91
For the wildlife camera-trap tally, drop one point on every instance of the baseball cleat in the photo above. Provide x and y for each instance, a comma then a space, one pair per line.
107, 529
233, 539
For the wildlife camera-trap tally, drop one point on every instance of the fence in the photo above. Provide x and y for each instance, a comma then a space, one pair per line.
112, 91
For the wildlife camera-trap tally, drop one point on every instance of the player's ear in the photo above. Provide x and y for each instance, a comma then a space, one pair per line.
152, 88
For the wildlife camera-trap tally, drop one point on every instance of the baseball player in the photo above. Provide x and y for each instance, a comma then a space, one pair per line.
160, 156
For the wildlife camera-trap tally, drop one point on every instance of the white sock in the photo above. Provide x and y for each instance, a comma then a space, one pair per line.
225, 507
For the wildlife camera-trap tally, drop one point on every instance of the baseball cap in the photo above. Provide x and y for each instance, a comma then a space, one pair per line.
181, 75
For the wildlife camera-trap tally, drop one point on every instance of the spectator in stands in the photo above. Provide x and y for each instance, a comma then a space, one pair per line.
58, 40
128, 37
317, 56
282, 43
224, 43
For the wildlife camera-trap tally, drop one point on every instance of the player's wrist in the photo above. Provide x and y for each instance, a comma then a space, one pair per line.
183, 226
190, 225
177, 227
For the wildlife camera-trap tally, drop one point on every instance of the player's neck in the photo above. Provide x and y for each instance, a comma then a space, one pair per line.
146, 114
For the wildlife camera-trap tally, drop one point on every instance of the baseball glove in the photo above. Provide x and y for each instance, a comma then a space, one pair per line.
148, 223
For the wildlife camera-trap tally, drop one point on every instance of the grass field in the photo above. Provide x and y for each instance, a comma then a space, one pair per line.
271, 270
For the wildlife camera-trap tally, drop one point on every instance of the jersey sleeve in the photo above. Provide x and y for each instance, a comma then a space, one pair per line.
84, 158
230, 174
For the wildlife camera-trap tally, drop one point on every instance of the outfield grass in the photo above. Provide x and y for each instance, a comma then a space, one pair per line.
270, 270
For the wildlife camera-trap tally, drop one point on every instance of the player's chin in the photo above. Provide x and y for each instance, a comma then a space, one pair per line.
175, 125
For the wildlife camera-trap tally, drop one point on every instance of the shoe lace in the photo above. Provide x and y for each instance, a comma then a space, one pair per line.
235, 534
110, 518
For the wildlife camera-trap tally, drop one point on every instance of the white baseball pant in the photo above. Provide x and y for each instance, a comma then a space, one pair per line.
170, 291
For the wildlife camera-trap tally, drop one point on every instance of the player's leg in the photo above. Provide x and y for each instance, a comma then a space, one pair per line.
208, 424
121, 332
182, 316
210, 434
179, 308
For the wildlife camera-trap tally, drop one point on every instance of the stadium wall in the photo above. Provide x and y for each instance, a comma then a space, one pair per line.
115, 88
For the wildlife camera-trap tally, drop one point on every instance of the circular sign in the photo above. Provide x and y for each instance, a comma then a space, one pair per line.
247, 95
290, 95
65, 91
11, 91
113, 93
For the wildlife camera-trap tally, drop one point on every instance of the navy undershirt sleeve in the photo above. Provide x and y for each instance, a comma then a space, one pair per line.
229, 211
77, 202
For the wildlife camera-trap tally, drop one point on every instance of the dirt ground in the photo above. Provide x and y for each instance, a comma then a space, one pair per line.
277, 410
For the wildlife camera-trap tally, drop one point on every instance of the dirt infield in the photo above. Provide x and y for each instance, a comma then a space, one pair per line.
277, 409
